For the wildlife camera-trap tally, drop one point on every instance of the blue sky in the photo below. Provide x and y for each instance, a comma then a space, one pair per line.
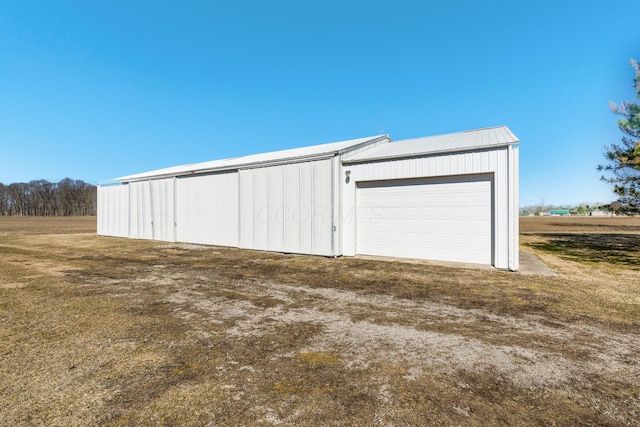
97, 90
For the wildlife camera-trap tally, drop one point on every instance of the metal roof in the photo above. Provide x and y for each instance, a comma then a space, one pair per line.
461, 141
313, 152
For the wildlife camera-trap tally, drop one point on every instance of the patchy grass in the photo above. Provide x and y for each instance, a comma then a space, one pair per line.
20, 225
107, 331
617, 249
586, 240
315, 359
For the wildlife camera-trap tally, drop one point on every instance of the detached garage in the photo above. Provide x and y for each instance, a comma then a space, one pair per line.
451, 197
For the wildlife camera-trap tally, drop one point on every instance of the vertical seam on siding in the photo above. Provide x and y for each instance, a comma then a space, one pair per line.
238, 213
129, 210
284, 227
333, 225
268, 208
150, 209
312, 186
509, 220
175, 209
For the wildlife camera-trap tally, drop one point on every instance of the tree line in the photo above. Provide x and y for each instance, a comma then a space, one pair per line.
68, 197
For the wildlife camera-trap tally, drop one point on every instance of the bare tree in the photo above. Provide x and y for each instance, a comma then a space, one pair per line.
68, 197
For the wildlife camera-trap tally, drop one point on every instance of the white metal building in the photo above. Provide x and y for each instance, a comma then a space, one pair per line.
451, 197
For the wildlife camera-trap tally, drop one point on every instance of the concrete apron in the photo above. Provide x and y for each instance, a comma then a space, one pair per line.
531, 264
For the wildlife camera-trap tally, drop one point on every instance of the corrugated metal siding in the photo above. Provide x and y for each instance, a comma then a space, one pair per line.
292, 215
246, 192
207, 209
163, 209
438, 165
321, 209
151, 210
287, 208
303, 203
113, 211
273, 215
140, 210
514, 203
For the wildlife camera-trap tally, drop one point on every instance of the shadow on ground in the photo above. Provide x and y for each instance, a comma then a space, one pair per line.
620, 249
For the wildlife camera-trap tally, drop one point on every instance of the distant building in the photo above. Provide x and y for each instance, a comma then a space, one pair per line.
559, 212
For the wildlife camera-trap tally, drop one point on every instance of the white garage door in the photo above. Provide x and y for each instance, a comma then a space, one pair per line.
446, 219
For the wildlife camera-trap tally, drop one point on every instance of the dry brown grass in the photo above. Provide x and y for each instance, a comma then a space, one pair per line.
106, 331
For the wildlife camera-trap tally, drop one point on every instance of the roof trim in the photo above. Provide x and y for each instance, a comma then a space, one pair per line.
365, 143
429, 154
386, 152
194, 170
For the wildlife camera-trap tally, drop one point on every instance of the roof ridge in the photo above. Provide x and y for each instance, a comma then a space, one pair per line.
254, 159
452, 133
484, 128
486, 138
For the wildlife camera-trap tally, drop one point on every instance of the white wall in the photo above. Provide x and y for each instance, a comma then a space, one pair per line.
287, 208
283, 208
140, 210
113, 210
514, 207
501, 162
151, 210
207, 209
163, 209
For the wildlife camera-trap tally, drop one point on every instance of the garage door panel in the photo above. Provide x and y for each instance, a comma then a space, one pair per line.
446, 219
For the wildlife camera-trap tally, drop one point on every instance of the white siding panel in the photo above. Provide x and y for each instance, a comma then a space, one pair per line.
102, 219
287, 208
254, 209
246, 209
151, 207
305, 208
260, 209
162, 209
207, 209
501, 216
113, 211
292, 211
140, 210
322, 220
275, 211
514, 203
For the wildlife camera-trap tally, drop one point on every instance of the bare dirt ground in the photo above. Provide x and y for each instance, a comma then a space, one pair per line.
106, 331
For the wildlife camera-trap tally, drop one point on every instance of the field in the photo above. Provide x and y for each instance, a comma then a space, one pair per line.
106, 331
